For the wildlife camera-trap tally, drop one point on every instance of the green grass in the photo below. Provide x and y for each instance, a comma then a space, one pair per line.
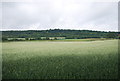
60, 60
67, 40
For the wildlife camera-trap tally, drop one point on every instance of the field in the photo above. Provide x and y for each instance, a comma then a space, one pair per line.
60, 60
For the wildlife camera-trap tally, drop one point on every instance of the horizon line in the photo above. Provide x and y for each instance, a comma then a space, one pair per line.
53, 29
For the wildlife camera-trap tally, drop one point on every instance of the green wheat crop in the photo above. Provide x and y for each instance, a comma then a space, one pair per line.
60, 60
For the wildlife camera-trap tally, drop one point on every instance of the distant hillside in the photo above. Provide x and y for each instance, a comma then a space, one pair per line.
69, 34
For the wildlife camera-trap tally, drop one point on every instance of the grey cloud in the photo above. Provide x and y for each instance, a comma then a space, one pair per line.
67, 15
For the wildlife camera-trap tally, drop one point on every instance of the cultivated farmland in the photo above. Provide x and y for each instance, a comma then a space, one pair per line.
60, 60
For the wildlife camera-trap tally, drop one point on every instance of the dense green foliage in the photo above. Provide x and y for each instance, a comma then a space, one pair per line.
69, 34
60, 60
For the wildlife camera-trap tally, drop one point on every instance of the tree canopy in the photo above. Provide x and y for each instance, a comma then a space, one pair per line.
69, 34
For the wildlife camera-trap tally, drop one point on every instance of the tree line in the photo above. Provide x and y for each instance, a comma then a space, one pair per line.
68, 34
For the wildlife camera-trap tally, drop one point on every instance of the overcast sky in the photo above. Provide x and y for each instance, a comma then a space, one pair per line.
62, 14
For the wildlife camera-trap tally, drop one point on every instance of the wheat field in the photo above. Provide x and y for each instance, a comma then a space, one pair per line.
60, 60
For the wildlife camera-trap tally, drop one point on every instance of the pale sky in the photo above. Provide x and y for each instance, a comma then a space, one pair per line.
62, 14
